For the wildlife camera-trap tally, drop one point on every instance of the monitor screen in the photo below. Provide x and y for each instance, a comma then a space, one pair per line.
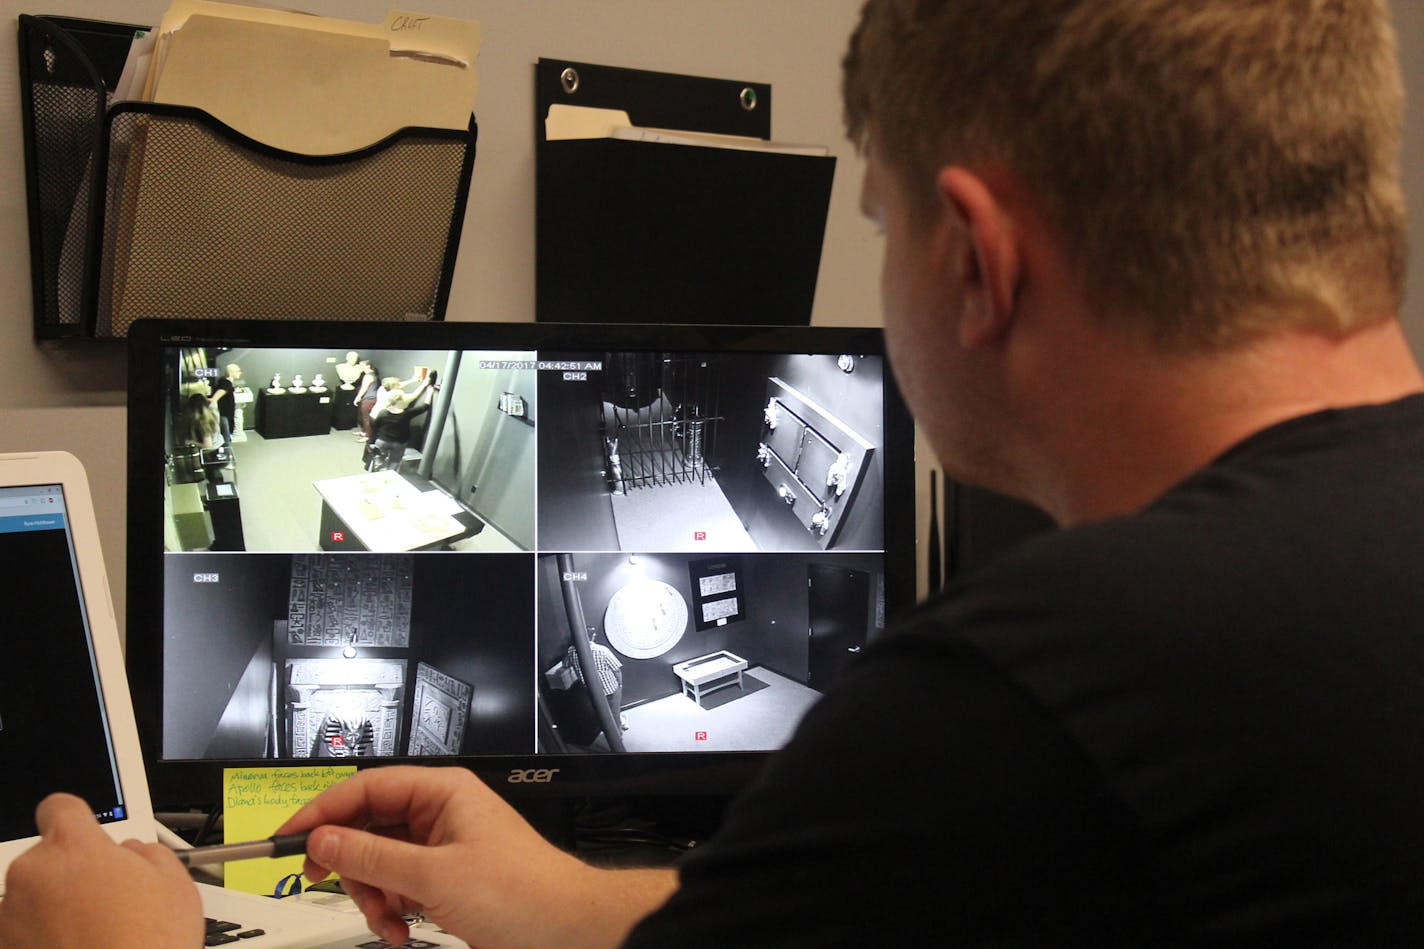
575, 558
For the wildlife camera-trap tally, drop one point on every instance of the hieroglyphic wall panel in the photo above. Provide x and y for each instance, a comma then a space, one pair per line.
333, 596
441, 710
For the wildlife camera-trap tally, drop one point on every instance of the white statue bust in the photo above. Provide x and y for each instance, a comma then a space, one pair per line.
349, 371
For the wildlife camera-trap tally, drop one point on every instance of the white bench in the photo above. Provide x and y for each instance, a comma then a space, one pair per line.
709, 673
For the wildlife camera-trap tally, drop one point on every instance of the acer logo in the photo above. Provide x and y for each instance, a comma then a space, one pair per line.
531, 775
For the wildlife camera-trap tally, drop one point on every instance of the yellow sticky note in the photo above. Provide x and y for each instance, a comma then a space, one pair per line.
256, 801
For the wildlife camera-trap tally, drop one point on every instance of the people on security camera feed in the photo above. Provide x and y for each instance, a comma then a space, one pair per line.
695, 652
345, 451
414, 553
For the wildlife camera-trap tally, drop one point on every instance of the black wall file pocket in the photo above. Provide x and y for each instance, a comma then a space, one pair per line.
658, 228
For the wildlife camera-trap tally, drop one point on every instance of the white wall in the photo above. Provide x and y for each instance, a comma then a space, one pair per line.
71, 396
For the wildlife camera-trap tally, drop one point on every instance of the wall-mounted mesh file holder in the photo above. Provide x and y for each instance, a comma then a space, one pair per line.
145, 210
649, 231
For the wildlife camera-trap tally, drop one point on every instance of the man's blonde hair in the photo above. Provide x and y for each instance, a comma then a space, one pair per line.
1214, 169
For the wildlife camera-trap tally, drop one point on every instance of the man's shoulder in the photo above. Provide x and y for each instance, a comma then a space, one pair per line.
1277, 587
1306, 510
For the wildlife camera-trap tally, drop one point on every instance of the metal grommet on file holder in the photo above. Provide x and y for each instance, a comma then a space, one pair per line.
569, 79
748, 98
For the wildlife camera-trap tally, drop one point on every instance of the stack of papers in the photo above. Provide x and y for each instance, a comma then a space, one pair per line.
569, 122
202, 225
306, 84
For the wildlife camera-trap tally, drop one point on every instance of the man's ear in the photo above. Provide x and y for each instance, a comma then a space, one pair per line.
990, 268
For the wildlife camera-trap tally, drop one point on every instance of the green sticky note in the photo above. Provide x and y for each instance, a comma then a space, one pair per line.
256, 801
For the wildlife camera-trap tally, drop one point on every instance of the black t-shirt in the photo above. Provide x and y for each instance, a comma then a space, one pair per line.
226, 407
1197, 725
395, 426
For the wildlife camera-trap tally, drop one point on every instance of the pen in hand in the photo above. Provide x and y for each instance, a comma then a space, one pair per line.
283, 845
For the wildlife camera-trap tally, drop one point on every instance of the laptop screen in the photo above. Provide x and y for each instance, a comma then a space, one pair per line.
54, 731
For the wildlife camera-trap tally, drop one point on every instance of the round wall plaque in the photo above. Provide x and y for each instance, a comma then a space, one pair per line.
645, 618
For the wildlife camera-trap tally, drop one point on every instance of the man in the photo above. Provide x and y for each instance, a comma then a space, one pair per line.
224, 397
607, 675
1142, 265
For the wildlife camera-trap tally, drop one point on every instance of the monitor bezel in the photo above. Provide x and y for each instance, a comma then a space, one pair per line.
524, 776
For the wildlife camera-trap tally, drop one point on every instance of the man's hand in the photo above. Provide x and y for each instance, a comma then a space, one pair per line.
438, 841
77, 888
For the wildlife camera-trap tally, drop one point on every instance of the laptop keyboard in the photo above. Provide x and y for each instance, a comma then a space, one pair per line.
222, 932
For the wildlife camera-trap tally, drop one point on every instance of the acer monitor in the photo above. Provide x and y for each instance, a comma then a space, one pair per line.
588, 560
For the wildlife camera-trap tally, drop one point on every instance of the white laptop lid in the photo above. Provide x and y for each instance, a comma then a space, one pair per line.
66, 716
66, 719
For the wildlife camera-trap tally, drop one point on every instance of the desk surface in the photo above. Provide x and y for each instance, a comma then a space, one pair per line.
388, 513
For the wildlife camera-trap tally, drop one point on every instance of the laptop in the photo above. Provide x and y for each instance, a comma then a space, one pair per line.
66, 717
